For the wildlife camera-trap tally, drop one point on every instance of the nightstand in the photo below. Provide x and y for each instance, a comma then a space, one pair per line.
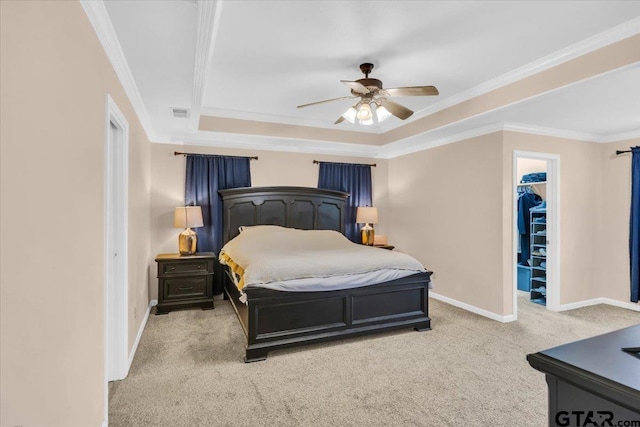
389, 247
185, 281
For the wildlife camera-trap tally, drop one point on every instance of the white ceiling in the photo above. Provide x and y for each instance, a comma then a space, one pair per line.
267, 57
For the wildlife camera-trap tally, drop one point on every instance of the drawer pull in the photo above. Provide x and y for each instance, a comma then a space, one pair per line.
173, 268
186, 288
199, 267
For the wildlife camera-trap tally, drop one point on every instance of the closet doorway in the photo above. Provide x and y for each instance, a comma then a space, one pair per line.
536, 234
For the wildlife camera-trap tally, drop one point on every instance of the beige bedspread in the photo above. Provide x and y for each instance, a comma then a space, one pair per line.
272, 256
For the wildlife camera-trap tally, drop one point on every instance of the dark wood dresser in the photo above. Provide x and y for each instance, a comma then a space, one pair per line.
185, 281
593, 382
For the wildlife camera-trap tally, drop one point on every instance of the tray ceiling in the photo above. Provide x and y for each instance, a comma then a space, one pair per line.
260, 59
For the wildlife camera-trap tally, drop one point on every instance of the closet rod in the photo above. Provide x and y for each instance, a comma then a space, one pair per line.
621, 152
317, 162
177, 153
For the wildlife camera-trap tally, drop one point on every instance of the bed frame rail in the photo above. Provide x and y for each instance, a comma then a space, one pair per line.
274, 319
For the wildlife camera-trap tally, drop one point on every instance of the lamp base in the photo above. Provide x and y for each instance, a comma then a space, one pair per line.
368, 235
187, 242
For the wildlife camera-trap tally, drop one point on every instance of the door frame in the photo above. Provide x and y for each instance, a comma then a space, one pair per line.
553, 228
116, 287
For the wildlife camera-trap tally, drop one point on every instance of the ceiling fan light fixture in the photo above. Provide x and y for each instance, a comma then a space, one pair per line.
366, 122
364, 112
382, 113
350, 114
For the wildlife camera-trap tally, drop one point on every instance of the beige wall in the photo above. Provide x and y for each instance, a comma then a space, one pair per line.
272, 168
525, 166
452, 208
445, 211
54, 77
612, 268
580, 175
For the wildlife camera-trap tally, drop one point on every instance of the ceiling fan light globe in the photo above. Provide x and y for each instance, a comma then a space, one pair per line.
350, 115
382, 113
364, 112
366, 122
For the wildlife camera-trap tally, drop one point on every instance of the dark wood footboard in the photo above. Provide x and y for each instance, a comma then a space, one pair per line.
275, 319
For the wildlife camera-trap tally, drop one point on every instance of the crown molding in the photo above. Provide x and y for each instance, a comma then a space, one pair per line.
209, 13
598, 41
568, 134
286, 120
392, 150
421, 142
618, 137
269, 143
557, 133
101, 23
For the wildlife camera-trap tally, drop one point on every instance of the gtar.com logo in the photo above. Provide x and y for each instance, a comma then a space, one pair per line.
592, 419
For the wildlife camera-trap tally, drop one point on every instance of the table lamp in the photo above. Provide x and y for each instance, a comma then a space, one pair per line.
187, 217
367, 216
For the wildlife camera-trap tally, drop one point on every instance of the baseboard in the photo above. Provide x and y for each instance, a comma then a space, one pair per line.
628, 305
580, 304
511, 317
595, 301
140, 330
471, 308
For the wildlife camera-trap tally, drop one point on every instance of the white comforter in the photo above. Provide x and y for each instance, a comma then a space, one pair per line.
289, 259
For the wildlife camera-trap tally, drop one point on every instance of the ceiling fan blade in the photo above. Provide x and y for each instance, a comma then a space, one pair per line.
326, 100
340, 120
357, 87
413, 91
400, 111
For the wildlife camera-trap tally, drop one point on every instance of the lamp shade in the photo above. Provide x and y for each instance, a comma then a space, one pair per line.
367, 215
187, 217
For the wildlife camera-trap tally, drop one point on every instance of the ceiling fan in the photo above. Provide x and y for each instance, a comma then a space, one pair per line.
375, 105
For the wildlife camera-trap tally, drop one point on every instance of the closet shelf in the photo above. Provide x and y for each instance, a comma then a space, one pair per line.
535, 239
524, 184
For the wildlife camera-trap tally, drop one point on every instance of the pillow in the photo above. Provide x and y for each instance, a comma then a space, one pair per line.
244, 227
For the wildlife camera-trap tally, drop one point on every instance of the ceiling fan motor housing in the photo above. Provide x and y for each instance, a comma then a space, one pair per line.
371, 84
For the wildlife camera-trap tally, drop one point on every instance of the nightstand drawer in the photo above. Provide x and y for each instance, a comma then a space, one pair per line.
185, 287
184, 267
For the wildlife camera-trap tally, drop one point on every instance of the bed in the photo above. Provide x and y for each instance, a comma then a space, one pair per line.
274, 319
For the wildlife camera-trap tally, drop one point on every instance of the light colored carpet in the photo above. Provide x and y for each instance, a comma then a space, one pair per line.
467, 371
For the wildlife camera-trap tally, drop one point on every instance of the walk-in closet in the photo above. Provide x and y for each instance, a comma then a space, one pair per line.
531, 206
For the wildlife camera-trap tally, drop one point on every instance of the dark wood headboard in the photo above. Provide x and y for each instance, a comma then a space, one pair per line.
294, 207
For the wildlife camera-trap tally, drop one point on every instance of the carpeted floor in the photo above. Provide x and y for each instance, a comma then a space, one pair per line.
467, 371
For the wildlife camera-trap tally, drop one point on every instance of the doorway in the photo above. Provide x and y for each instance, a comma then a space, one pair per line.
116, 233
536, 234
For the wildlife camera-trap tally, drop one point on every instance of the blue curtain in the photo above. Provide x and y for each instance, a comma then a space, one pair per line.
205, 176
634, 234
353, 179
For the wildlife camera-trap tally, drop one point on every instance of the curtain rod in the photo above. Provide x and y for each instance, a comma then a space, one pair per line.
621, 152
177, 153
363, 164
